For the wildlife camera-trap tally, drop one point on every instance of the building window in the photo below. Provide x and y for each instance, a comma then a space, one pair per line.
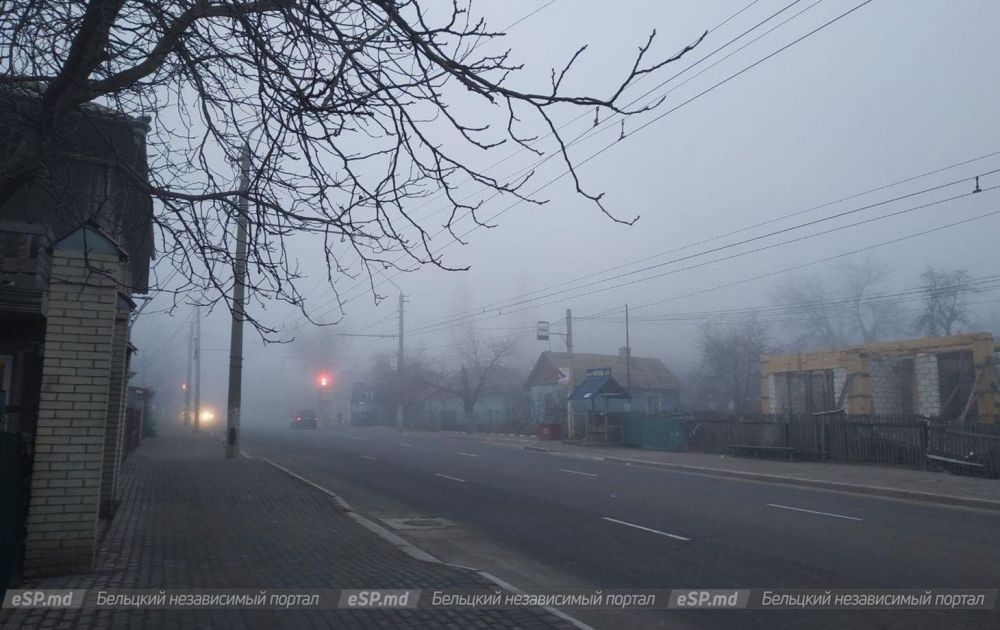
653, 403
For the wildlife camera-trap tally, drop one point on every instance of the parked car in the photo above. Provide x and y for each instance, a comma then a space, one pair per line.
305, 419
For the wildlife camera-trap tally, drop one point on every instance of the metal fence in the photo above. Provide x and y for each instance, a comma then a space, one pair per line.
966, 447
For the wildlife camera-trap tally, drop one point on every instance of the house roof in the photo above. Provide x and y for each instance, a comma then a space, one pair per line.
91, 237
647, 373
598, 385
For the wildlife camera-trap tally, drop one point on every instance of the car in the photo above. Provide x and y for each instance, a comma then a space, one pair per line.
305, 419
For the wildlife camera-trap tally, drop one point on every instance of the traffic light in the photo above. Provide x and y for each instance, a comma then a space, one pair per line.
184, 387
324, 380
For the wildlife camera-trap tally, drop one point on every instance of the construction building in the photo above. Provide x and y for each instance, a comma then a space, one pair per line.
953, 377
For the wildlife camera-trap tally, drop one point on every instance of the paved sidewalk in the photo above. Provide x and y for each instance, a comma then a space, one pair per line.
900, 482
191, 519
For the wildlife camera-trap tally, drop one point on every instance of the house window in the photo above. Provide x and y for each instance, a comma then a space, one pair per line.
653, 403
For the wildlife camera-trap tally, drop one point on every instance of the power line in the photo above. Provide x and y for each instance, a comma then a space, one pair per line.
166, 341
589, 132
620, 276
533, 13
654, 120
545, 290
476, 45
827, 259
761, 276
986, 283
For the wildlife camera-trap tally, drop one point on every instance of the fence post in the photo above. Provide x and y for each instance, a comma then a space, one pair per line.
824, 436
924, 443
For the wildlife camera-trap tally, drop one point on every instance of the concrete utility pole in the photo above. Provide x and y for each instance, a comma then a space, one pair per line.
628, 364
197, 368
401, 384
628, 355
234, 403
187, 383
572, 373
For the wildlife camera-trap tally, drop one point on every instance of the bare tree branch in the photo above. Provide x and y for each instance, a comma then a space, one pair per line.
350, 106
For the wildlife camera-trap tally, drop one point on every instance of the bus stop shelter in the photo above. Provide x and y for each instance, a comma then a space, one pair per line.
597, 390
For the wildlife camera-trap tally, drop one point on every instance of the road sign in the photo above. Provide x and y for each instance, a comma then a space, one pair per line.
542, 331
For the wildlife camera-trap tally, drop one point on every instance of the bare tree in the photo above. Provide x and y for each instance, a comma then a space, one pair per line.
482, 362
351, 108
419, 379
873, 319
313, 349
945, 309
992, 322
729, 368
843, 307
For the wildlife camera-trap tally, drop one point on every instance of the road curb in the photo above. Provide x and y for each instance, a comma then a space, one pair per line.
540, 449
895, 493
492, 438
409, 548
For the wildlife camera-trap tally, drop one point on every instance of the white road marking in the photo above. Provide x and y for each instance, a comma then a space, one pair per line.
788, 507
406, 445
467, 454
355, 437
368, 457
577, 472
646, 529
449, 477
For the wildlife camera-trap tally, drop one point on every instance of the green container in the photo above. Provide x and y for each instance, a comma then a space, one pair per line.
654, 432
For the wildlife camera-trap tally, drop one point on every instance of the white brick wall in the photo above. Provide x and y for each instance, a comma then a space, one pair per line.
839, 379
926, 383
892, 385
69, 447
115, 427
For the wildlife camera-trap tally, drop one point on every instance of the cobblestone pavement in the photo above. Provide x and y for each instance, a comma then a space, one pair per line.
191, 519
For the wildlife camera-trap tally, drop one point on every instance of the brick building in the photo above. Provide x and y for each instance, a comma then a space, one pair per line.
952, 377
76, 245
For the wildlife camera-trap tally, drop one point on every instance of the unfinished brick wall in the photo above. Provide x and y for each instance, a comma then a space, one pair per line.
839, 380
76, 376
789, 393
925, 376
892, 385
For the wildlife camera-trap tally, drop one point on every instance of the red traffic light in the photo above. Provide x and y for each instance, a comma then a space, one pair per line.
184, 387
324, 380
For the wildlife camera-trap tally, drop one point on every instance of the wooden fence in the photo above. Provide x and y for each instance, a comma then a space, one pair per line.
899, 440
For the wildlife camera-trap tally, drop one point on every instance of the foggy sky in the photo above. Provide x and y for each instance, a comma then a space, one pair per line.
898, 88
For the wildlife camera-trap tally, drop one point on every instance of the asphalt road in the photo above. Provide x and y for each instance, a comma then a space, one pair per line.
587, 523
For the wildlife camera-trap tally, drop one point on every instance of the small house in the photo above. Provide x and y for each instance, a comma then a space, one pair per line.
652, 387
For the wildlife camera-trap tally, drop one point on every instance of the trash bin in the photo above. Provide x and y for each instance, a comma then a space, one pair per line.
551, 431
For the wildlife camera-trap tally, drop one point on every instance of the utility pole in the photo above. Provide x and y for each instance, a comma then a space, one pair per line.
628, 355
187, 383
628, 364
572, 372
197, 368
234, 403
401, 384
